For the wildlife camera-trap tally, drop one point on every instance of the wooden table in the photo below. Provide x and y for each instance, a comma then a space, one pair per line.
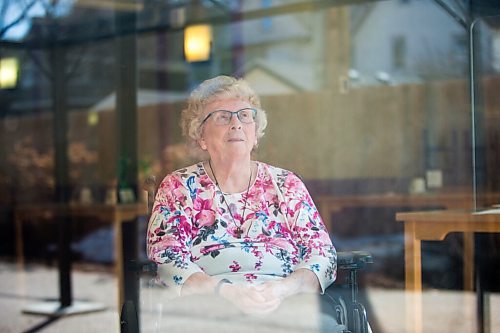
447, 199
114, 214
435, 225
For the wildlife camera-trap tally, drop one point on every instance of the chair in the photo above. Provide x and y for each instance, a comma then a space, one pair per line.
348, 310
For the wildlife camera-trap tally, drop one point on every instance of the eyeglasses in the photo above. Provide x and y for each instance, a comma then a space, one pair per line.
223, 117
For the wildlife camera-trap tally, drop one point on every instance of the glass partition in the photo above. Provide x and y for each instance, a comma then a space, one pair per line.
484, 66
382, 108
483, 72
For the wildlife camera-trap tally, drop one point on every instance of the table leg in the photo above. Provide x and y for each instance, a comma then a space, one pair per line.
20, 255
413, 278
468, 261
118, 244
468, 274
19, 242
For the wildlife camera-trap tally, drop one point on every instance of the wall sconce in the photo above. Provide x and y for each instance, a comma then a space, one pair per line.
9, 72
197, 42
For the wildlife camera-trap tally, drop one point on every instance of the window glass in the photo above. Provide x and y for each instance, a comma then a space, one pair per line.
381, 107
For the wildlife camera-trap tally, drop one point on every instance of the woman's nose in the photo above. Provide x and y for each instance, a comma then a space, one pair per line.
235, 122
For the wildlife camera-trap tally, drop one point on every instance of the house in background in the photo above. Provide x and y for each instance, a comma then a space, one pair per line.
276, 60
428, 43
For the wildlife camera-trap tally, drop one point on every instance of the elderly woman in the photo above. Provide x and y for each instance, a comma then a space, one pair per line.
233, 226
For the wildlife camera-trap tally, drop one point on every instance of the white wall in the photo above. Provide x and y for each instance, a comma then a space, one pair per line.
428, 30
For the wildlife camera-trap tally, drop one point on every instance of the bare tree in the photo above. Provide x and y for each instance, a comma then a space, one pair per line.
24, 8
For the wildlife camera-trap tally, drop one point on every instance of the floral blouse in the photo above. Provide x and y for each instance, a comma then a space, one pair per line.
191, 229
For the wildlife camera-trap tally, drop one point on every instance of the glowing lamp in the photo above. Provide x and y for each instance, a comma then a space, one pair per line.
9, 70
197, 41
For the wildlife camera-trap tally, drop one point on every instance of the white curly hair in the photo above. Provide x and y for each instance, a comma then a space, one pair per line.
220, 87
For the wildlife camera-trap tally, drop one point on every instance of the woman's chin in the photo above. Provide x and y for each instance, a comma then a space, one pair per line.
237, 150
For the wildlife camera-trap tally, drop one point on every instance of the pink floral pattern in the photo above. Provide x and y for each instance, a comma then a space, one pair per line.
191, 230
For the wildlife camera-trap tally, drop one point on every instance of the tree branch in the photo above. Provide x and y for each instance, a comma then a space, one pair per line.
40, 65
21, 17
76, 64
461, 20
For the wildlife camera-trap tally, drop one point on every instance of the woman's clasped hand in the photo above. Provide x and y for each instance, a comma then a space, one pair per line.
252, 299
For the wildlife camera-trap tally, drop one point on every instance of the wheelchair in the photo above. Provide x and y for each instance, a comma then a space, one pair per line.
343, 298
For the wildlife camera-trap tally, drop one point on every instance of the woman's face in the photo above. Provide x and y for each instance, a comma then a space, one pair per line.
234, 140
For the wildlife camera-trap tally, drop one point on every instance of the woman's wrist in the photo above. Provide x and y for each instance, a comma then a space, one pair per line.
291, 286
302, 280
220, 284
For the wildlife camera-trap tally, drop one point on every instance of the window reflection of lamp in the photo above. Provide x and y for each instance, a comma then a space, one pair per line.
197, 42
9, 70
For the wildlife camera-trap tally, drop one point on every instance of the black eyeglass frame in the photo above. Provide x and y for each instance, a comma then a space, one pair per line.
237, 113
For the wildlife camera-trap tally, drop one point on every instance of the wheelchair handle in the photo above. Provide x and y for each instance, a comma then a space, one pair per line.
353, 259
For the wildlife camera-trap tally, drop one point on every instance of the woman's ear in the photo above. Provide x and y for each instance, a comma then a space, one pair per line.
202, 143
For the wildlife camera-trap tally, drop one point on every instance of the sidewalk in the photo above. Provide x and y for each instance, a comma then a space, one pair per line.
38, 283
444, 311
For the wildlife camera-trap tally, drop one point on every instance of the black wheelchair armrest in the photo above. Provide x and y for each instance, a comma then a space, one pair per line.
139, 267
348, 260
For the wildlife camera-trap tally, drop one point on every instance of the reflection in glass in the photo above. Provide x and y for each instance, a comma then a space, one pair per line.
370, 103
